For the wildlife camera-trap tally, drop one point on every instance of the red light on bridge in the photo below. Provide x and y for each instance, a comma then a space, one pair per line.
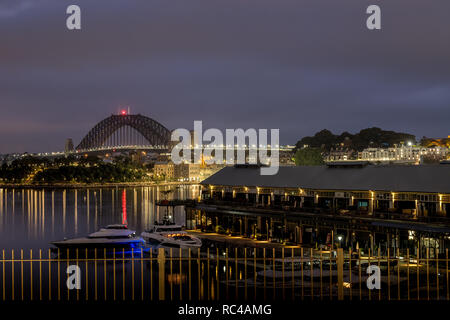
123, 112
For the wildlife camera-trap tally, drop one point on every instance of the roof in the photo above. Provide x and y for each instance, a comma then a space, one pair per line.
396, 178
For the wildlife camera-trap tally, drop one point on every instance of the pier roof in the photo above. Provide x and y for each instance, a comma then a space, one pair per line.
395, 178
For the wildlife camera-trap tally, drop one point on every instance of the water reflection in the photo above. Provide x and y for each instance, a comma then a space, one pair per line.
31, 218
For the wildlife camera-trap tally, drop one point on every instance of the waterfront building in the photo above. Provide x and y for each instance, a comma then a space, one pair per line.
403, 154
164, 169
363, 205
339, 154
194, 171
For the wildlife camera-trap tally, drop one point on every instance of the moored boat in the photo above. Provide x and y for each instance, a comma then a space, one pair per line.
171, 237
112, 236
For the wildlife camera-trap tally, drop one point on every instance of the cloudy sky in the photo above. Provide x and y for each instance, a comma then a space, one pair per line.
297, 65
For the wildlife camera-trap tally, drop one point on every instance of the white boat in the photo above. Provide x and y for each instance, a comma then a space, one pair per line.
111, 236
171, 237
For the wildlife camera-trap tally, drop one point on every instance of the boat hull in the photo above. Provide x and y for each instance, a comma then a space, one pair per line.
92, 244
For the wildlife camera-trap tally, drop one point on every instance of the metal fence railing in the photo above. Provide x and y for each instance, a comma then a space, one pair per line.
222, 274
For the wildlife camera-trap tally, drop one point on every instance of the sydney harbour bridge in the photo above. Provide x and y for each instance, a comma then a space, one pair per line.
120, 132
125, 131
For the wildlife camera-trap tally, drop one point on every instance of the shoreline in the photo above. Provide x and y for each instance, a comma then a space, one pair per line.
91, 185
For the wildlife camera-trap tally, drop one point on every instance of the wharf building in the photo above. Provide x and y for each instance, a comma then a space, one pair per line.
351, 205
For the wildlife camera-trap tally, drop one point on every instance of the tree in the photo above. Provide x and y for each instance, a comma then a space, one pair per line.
308, 157
370, 137
323, 138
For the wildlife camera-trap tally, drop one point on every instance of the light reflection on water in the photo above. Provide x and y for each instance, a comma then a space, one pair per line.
31, 218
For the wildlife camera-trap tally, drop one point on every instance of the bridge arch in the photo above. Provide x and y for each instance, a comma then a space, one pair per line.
154, 132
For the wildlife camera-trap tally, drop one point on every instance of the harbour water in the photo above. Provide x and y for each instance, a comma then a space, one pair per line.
31, 218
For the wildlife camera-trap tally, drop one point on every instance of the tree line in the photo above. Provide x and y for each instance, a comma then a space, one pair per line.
71, 170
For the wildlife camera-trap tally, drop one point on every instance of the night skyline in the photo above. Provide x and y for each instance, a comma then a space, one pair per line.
300, 66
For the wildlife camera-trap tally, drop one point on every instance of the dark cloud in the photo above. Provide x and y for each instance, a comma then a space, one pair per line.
300, 66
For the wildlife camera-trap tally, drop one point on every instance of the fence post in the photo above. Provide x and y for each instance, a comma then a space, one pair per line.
340, 269
161, 273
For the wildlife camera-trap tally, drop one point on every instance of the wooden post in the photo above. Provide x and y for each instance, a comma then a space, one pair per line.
161, 273
340, 269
